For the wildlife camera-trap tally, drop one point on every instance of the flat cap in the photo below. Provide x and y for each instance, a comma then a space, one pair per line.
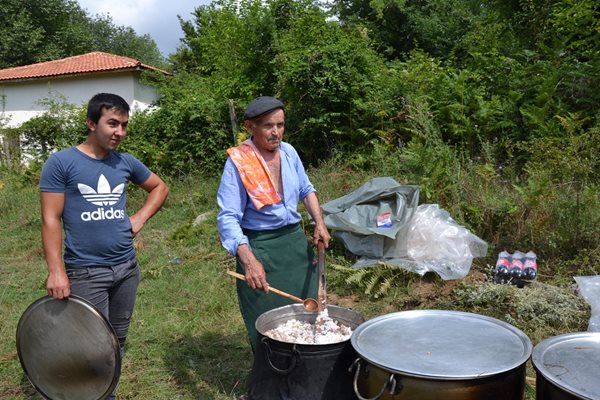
262, 105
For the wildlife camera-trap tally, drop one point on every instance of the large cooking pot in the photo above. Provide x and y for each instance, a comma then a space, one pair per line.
435, 354
68, 349
567, 367
292, 371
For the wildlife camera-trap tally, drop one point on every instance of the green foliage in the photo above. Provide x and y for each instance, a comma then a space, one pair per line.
10, 151
427, 160
480, 71
577, 27
187, 132
441, 28
231, 42
562, 188
62, 126
377, 281
34, 31
586, 263
285, 48
326, 75
540, 310
40, 30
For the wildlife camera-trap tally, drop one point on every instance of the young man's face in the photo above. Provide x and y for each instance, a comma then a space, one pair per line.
268, 130
110, 129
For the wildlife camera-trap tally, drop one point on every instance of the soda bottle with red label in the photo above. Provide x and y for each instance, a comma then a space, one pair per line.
501, 274
516, 268
530, 267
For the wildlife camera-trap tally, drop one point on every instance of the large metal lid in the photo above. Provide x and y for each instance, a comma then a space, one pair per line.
447, 345
68, 349
571, 362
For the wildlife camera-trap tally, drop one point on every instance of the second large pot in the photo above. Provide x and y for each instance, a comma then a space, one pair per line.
435, 354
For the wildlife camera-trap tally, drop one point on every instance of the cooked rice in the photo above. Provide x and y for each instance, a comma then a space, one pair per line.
325, 330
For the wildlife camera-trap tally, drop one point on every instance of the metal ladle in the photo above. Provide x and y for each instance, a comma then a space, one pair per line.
309, 303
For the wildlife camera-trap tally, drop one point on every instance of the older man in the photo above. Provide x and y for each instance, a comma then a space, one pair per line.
262, 183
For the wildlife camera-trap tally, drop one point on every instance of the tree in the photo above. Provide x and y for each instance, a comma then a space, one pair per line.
401, 26
33, 31
231, 42
38, 30
328, 75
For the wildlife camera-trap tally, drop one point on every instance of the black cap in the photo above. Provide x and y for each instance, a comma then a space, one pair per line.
262, 105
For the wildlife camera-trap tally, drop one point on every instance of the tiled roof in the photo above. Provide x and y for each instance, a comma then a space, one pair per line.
82, 64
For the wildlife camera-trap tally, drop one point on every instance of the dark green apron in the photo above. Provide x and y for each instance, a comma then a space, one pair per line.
289, 263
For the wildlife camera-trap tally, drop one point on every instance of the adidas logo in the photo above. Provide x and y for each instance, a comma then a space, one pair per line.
103, 196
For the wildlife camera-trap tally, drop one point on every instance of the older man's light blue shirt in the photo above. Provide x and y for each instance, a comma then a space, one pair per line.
237, 212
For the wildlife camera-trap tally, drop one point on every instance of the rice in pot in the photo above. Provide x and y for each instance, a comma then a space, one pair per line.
325, 330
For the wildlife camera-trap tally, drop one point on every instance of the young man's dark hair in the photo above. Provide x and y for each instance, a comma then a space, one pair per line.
103, 101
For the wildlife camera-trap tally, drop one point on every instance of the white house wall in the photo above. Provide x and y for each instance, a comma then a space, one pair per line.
22, 98
144, 96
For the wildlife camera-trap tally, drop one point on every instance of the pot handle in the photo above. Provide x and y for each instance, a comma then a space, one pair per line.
295, 357
389, 384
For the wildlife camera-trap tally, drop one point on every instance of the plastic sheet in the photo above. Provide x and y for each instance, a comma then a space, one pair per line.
432, 241
589, 288
356, 217
382, 222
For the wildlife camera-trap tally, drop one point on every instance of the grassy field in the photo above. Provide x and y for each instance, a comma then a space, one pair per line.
187, 339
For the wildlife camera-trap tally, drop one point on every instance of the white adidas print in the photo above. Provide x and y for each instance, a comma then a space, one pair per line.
103, 196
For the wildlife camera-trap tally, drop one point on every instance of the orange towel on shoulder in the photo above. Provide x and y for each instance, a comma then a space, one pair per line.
255, 174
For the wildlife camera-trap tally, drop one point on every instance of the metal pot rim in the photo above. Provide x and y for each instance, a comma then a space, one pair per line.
272, 318
570, 362
58, 338
441, 344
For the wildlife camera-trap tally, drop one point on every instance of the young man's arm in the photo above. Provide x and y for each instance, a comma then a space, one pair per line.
52, 210
158, 192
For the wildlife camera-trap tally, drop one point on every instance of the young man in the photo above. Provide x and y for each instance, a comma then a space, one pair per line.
84, 188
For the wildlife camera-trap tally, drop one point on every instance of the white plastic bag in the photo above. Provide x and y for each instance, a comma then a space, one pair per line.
589, 288
433, 241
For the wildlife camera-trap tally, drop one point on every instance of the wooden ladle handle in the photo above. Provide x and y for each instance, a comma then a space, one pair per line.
271, 289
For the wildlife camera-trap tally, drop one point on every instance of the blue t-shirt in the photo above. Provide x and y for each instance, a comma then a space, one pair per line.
95, 220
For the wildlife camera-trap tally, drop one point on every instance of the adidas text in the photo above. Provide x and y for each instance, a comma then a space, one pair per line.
101, 214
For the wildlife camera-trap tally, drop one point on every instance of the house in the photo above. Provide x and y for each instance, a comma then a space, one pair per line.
25, 90
74, 79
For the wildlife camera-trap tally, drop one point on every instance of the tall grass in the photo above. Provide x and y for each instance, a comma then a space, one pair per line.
187, 339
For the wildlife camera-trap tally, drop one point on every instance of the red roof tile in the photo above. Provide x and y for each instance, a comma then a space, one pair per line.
82, 64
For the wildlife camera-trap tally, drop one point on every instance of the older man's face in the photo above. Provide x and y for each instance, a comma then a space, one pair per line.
268, 130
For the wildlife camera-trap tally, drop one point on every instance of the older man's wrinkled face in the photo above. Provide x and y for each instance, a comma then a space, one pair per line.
268, 130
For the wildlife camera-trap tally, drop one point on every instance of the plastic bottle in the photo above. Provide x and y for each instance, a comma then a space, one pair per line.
516, 268
501, 274
530, 267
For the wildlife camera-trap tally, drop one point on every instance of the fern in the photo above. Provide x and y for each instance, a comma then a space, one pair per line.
375, 281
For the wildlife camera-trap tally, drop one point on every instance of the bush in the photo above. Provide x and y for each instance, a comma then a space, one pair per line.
62, 126
187, 132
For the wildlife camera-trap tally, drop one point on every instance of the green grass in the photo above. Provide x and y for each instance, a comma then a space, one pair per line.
187, 339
